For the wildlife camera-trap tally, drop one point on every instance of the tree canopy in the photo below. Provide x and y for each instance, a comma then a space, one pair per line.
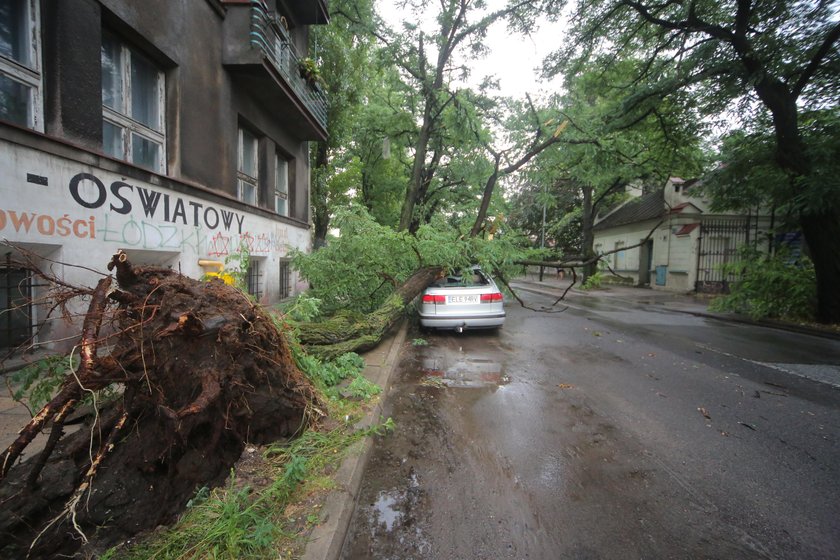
770, 67
647, 89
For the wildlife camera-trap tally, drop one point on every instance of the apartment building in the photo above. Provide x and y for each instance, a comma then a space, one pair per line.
175, 130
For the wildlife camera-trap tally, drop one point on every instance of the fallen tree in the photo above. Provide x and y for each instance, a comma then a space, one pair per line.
200, 371
348, 332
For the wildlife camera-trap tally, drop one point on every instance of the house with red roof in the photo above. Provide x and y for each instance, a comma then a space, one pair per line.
670, 238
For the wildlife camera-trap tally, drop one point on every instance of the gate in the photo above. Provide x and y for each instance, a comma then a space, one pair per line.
719, 241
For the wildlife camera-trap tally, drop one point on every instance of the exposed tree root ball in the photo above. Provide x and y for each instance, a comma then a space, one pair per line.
202, 370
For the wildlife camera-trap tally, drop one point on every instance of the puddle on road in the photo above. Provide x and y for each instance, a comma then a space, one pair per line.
465, 372
385, 511
392, 516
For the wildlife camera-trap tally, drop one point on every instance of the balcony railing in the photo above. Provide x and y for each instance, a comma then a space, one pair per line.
269, 35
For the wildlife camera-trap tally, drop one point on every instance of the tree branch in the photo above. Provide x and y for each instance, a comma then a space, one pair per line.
831, 37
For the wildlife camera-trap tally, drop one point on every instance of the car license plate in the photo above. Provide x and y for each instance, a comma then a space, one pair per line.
463, 299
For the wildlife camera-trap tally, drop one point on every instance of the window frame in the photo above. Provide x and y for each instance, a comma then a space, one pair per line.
242, 177
125, 121
620, 256
281, 194
30, 75
285, 278
253, 278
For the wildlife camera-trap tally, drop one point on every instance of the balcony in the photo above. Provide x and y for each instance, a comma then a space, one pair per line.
268, 66
310, 12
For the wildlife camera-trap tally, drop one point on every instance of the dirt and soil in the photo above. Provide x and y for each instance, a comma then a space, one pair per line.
200, 370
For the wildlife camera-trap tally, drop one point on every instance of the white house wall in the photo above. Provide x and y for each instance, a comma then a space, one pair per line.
628, 235
75, 213
681, 268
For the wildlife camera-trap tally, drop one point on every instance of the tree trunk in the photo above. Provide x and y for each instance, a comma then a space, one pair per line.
320, 206
412, 192
489, 186
822, 230
329, 339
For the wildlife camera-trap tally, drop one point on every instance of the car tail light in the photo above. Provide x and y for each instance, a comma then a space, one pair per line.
430, 298
491, 298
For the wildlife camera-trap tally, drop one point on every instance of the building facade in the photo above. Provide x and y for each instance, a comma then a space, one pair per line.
174, 130
670, 238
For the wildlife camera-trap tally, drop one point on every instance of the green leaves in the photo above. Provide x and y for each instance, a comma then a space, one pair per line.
359, 269
777, 287
37, 383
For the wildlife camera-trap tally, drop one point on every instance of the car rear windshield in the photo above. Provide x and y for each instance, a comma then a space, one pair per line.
471, 279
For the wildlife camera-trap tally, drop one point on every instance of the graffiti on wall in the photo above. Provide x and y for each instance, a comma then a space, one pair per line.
47, 224
141, 217
222, 245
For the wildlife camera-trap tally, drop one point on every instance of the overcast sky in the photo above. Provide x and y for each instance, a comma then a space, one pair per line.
513, 59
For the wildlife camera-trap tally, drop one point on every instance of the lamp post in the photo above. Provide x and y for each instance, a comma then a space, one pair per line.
542, 233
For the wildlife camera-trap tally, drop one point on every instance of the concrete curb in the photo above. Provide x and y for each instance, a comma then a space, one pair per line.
327, 538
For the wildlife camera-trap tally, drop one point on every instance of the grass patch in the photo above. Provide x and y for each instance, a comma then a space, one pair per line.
240, 520
274, 494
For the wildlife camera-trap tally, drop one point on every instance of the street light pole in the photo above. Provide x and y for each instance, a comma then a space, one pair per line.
542, 233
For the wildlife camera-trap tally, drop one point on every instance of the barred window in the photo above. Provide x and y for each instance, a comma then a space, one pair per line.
254, 278
15, 307
285, 278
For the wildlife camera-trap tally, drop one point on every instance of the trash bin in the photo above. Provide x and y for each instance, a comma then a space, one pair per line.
661, 274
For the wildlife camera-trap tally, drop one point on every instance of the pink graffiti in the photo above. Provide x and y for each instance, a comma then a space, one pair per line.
219, 245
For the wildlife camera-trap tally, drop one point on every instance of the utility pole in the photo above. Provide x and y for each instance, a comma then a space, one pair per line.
542, 233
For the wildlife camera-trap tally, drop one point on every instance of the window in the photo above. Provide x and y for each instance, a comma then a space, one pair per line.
20, 71
247, 174
281, 186
15, 307
253, 279
132, 106
620, 258
285, 278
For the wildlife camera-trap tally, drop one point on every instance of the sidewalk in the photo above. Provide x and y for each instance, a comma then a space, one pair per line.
691, 303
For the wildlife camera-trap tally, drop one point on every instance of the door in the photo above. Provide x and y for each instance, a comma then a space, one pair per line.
645, 262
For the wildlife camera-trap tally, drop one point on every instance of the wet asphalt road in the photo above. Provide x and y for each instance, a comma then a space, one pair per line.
607, 431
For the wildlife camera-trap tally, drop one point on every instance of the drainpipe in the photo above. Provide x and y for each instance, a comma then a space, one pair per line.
8, 287
218, 265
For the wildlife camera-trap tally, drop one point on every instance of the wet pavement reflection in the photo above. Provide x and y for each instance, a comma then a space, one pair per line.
574, 436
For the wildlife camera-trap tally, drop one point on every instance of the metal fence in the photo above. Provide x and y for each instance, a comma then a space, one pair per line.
719, 242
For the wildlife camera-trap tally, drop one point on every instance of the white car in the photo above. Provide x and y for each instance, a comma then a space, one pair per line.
469, 300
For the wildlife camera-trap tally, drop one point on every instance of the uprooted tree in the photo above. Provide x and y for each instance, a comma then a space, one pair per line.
200, 370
